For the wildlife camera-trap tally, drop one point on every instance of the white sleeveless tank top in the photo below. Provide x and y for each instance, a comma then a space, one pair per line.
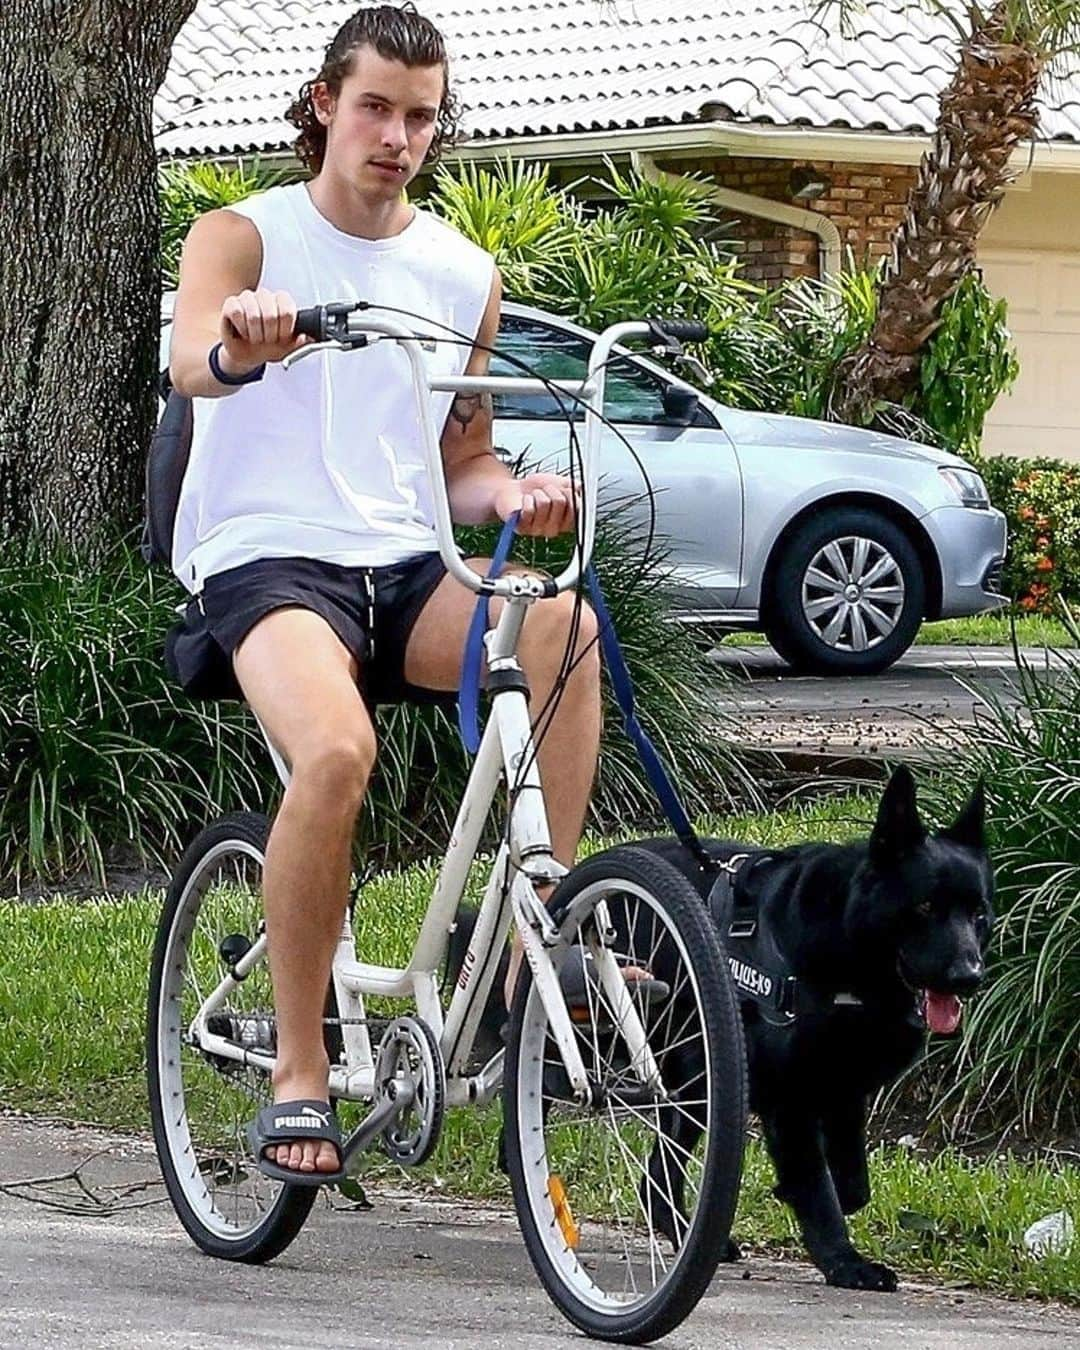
325, 460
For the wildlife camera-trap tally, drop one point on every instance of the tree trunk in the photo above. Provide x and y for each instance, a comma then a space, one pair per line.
986, 111
79, 287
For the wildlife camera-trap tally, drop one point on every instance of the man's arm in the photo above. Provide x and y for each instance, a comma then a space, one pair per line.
481, 488
218, 300
473, 472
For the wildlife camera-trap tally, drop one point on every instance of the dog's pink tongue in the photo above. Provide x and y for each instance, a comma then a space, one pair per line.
942, 1012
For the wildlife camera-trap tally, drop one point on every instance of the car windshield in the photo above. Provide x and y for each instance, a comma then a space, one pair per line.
632, 394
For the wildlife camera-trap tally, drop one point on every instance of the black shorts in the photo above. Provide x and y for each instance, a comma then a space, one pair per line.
371, 609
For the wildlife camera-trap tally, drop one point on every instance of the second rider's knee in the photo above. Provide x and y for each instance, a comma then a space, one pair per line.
569, 618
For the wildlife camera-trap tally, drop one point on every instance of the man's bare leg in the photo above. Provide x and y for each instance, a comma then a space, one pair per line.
301, 682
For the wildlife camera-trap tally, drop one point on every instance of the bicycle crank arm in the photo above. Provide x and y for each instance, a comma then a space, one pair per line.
399, 1097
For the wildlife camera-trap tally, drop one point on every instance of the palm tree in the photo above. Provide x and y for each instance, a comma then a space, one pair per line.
986, 111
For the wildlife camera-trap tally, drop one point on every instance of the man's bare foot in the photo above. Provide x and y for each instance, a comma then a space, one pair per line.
305, 1155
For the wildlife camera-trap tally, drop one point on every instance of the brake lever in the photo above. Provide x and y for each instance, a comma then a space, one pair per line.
700, 371
310, 348
682, 357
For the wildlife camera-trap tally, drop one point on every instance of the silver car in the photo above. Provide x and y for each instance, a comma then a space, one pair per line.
836, 542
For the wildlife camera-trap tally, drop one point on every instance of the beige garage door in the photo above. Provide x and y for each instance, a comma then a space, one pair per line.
1042, 414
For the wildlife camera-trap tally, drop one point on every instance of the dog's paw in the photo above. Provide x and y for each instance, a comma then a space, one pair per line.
732, 1251
860, 1274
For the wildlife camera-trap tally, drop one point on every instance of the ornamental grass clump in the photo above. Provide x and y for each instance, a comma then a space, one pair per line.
104, 761
1018, 1057
100, 756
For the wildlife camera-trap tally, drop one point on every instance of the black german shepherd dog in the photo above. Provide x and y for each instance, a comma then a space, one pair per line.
881, 939
886, 936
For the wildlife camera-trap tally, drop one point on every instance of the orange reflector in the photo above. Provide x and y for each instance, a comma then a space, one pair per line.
563, 1217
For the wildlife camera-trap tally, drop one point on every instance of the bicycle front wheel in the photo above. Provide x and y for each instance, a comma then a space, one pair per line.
626, 1202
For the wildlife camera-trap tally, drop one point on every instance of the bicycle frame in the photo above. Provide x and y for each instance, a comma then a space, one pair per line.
525, 858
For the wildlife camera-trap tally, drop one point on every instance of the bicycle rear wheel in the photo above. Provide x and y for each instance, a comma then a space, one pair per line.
626, 1204
200, 1103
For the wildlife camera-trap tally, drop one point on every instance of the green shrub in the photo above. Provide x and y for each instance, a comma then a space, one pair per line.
969, 362
819, 323
512, 212
187, 191
102, 757
1041, 499
643, 256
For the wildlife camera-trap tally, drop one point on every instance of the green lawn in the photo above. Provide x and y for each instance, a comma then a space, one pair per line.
994, 630
984, 630
72, 992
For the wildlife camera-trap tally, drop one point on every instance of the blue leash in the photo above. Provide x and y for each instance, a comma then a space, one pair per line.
469, 697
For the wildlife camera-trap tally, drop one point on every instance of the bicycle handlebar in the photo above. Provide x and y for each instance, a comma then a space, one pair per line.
682, 330
310, 323
343, 326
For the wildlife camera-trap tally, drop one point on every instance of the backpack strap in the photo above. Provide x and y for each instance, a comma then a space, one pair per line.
166, 464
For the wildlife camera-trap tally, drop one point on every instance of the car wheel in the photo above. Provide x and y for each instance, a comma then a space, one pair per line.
847, 595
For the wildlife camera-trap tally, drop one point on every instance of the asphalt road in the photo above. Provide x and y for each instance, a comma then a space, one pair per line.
930, 700
407, 1273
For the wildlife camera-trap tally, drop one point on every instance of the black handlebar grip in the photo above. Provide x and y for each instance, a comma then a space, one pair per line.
683, 330
311, 322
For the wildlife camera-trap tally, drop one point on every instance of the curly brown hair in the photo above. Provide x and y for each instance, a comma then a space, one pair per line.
397, 33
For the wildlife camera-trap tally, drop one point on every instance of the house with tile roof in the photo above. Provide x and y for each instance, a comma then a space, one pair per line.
809, 137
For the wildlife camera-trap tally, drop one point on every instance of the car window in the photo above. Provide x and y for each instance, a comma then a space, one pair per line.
631, 394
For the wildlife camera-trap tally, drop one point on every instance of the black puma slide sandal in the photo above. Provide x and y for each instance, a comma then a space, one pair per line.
293, 1123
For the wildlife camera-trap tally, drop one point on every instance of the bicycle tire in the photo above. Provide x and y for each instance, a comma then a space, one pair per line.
687, 954
180, 1076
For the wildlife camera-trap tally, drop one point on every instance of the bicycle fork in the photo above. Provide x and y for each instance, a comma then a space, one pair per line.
545, 949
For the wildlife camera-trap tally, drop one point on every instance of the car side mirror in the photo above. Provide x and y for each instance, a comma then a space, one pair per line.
680, 404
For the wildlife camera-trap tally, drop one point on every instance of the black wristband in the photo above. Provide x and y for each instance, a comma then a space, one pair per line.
215, 369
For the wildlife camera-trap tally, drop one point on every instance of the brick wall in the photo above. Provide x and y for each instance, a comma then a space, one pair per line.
864, 202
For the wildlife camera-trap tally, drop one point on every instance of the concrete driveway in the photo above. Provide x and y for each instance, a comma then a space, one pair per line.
411, 1272
919, 706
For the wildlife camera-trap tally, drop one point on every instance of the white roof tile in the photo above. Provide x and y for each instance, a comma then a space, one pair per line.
555, 66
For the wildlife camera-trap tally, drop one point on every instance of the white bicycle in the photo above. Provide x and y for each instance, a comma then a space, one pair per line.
624, 1115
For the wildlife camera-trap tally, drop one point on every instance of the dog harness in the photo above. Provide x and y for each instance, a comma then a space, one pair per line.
759, 970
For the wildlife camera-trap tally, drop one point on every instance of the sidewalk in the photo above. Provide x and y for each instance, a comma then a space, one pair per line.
915, 710
411, 1272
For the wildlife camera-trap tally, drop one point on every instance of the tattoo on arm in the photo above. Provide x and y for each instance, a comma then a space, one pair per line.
465, 408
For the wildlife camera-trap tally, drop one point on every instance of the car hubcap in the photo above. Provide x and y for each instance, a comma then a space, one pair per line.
853, 594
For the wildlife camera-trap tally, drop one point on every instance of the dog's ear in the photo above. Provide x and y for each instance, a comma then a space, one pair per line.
898, 828
969, 827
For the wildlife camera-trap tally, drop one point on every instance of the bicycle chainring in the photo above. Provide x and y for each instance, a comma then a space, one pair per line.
409, 1058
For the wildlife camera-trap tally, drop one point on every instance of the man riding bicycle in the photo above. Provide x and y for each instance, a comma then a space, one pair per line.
304, 529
